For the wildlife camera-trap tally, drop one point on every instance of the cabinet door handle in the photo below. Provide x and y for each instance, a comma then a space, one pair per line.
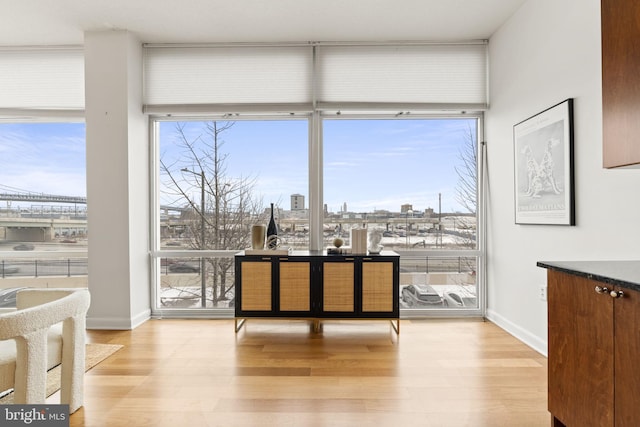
616, 294
602, 290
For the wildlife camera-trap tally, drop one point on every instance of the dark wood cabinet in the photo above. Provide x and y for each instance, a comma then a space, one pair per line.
317, 287
627, 355
594, 343
620, 82
580, 351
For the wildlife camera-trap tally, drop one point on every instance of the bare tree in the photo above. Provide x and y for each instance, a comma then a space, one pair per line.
222, 218
467, 187
467, 171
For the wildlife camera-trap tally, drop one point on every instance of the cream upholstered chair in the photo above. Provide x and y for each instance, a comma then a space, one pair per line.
34, 328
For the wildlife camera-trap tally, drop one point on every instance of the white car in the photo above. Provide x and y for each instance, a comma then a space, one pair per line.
456, 299
8, 297
421, 295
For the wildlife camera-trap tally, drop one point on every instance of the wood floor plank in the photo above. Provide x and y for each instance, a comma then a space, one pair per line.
282, 373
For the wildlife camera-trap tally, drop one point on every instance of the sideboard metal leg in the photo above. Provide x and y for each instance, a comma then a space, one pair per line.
396, 326
239, 323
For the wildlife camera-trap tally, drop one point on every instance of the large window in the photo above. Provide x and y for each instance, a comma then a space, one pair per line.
43, 212
413, 184
382, 136
217, 179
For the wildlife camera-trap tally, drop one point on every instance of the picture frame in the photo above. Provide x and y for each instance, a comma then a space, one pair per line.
543, 161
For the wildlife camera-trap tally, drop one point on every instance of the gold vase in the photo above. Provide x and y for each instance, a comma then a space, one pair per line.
257, 236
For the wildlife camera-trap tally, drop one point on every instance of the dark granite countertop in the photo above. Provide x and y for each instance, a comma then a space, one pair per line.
625, 274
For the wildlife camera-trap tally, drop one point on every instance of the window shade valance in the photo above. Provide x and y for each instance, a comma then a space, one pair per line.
42, 79
433, 74
227, 75
315, 76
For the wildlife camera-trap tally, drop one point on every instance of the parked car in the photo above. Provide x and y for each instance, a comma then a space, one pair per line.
24, 247
453, 299
181, 267
8, 297
6, 269
421, 295
166, 261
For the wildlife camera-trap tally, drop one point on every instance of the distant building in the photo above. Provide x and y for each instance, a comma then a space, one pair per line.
406, 208
297, 202
381, 213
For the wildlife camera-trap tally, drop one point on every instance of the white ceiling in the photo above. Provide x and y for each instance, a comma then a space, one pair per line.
63, 22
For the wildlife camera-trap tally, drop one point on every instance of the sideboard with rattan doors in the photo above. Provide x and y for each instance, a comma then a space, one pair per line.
317, 286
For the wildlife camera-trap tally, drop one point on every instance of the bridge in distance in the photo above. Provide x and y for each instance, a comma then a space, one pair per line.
39, 226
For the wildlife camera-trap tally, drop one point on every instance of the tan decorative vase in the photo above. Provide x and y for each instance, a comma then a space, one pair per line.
257, 236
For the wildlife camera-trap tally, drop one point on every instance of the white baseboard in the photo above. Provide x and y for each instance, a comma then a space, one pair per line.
118, 323
523, 335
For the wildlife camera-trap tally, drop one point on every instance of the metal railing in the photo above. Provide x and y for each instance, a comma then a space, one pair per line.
438, 264
67, 267
36, 267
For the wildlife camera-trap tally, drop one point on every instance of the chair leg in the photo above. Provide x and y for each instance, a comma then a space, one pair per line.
73, 363
31, 368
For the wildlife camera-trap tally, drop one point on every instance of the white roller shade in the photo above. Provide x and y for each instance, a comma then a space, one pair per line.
42, 79
227, 75
447, 74
417, 76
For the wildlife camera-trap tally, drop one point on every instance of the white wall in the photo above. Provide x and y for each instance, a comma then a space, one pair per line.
547, 52
117, 181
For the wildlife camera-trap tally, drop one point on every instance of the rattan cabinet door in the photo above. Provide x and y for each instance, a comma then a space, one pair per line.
295, 286
377, 286
256, 286
338, 287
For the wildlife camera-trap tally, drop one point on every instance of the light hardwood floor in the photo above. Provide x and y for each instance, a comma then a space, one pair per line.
280, 373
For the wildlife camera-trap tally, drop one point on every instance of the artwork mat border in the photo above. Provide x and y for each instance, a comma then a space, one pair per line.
526, 131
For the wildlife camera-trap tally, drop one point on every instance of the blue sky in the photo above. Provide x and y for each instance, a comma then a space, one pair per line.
43, 158
389, 163
369, 164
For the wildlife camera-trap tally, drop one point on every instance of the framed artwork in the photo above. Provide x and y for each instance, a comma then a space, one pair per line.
543, 154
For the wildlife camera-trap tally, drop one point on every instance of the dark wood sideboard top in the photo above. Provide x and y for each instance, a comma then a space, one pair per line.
625, 274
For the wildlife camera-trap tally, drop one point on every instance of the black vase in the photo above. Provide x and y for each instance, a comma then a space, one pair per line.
272, 230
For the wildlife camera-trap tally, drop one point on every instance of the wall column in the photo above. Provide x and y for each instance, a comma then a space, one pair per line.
117, 181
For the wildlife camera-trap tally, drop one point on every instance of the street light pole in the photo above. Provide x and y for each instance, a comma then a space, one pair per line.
203, 276
406, 226
440, 217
